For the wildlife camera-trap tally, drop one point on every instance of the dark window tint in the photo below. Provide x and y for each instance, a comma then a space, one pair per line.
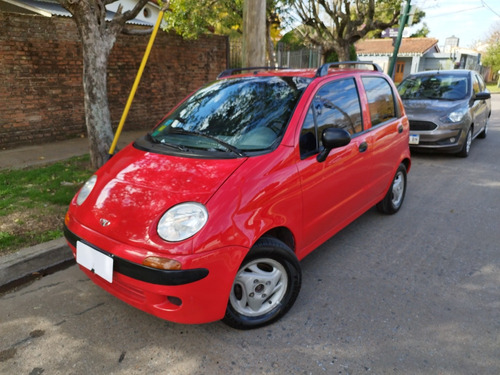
336, 105
381, 103
442, 86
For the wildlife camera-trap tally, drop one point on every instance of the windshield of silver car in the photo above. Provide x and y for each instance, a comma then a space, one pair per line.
438, 86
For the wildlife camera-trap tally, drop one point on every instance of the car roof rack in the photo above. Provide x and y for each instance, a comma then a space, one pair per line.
323, 69
230, 72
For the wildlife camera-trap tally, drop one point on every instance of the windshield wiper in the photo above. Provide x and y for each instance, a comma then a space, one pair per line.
162, 142
226, 145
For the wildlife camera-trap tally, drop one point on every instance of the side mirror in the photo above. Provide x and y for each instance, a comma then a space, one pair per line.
332, 138
482, 95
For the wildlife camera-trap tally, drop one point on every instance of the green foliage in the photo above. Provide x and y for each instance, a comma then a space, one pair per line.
190, 18
492, 57
422, 32
293, 40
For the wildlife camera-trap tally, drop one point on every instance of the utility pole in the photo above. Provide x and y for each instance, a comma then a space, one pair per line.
254, 33
402, 24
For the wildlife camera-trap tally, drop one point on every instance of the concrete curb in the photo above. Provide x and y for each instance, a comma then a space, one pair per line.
29, 262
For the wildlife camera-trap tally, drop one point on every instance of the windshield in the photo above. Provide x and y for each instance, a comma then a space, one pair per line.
436, 86
233, 115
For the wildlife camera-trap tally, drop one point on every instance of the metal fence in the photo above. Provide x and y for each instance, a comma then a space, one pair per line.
299, 59
303, 58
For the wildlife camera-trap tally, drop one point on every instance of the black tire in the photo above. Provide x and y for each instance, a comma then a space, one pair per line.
395, 196
464, 152
484, 133
265, 287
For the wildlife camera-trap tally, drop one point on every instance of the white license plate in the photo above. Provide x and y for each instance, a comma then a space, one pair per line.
95, 261
414, 139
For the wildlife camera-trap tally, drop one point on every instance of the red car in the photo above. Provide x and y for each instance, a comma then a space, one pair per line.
207, 216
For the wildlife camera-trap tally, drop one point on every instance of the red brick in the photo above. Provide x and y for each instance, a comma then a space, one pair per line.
41, 74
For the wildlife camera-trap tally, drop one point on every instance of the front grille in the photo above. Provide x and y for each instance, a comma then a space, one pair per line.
422, 125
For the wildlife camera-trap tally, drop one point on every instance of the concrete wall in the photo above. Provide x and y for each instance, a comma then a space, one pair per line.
41, 92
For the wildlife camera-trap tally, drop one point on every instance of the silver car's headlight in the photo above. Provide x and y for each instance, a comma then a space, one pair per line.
457, 115
85, 190
182, 221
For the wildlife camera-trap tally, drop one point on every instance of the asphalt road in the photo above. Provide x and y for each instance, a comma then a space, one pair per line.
413, 293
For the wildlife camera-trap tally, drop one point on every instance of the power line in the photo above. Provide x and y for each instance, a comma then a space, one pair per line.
487, 6
436, 6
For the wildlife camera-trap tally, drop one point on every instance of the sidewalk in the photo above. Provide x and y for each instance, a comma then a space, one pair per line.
46, 257
51, 152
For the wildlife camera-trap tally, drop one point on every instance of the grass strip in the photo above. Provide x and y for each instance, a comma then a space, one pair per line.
33, 201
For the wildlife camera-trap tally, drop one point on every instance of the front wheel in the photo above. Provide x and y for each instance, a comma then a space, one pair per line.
484, 133
265, 287
393, 200
464, 152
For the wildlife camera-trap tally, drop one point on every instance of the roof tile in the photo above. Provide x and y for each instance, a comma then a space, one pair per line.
384, 46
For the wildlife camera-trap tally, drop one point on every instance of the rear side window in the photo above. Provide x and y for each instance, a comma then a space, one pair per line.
381, 101
337, 105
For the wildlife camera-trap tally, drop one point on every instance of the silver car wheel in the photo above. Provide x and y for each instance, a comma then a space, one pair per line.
398, 188
259, 287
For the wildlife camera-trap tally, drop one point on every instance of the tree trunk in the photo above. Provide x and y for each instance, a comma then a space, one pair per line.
97, 115
254, 33
98, 37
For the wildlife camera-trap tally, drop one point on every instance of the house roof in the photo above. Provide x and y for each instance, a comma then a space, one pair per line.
409, 46
50, 8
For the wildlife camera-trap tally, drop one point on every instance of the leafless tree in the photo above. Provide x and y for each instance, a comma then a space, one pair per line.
335, 25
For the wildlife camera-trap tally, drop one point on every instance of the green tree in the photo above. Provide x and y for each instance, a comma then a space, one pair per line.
492, 57
422, 32
190, 18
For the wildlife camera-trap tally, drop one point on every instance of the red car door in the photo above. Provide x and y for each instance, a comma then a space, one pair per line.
334, 191
386, 127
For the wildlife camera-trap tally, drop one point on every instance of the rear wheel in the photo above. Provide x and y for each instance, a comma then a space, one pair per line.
393, 200
265, 287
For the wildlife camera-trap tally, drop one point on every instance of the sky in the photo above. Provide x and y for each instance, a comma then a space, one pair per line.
469, 20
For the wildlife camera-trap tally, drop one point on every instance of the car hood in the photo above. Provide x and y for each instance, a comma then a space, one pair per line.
430, 108
135, 188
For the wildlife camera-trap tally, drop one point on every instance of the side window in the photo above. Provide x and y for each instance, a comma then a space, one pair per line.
381, 101
336, 104
476, 84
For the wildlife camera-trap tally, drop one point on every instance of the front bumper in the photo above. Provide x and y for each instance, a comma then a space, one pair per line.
190, 296
443, 140
143, 273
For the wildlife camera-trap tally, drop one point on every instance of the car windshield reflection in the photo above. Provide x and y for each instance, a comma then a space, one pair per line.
439, 86
233, 115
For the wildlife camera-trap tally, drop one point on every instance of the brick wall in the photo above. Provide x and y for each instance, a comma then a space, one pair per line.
41, 92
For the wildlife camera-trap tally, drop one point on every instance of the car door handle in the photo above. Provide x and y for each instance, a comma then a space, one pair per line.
400, 128
363, 147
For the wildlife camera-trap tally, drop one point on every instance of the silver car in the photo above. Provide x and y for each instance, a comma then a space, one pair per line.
446, 109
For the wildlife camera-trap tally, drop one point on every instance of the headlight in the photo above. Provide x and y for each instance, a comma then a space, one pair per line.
182, 221
85, 190
457, 115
